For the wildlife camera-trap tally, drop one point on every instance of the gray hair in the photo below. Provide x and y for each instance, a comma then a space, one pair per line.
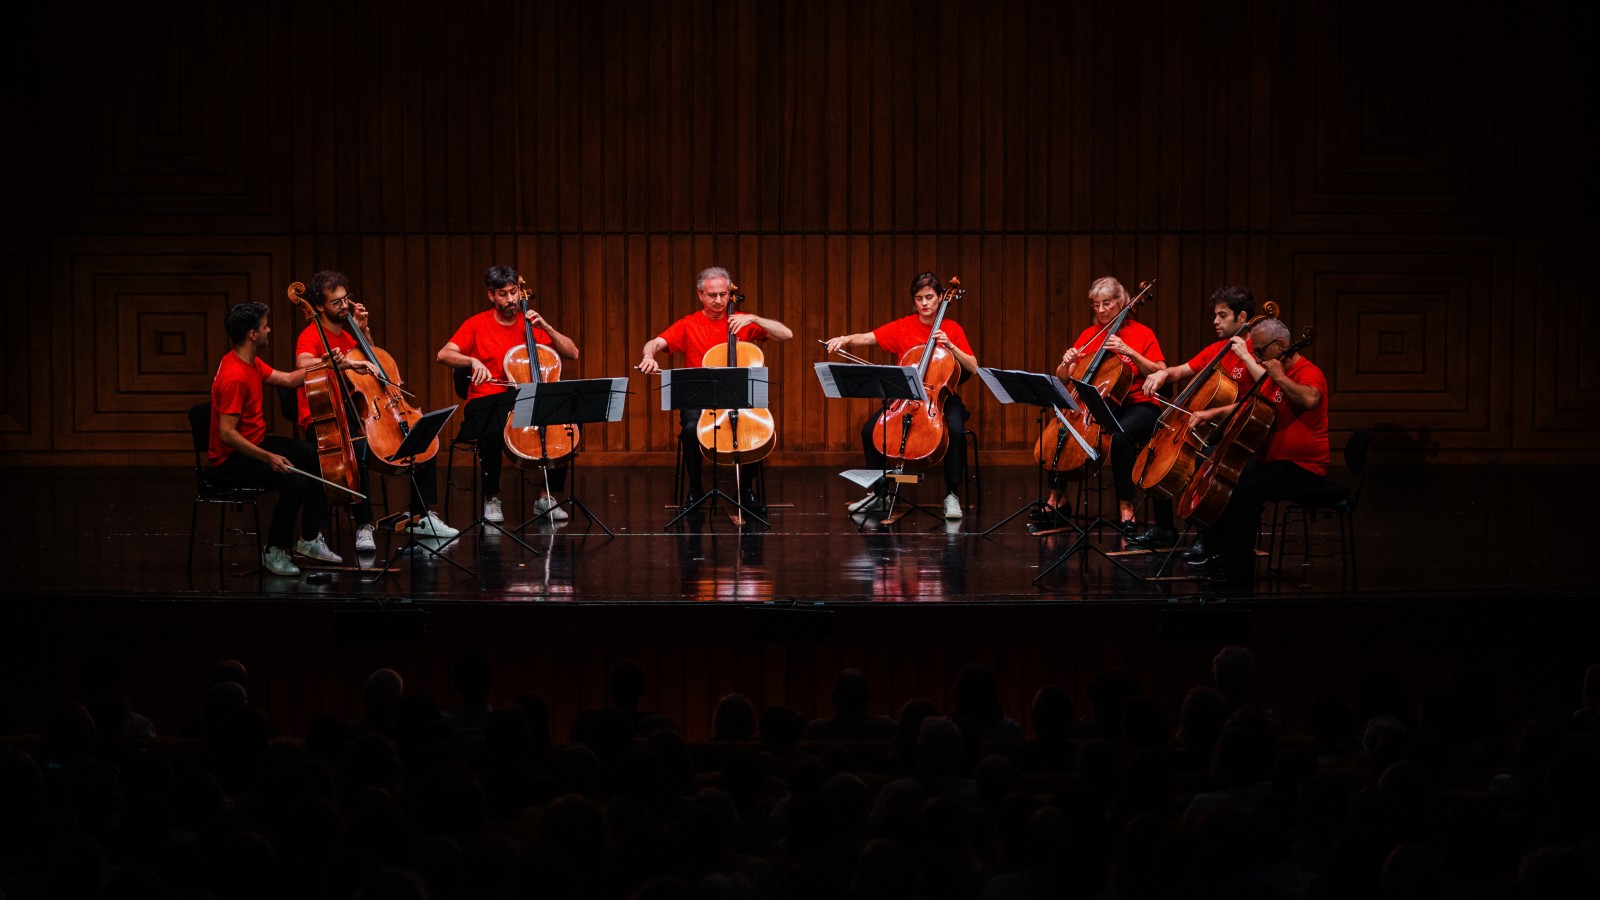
1108, 285
1269, 330
713, 272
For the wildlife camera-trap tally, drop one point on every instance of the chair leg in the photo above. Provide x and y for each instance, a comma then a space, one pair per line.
1305, 542
194, 521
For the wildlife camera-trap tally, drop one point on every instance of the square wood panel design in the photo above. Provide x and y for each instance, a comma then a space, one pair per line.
155, 326
1370, 129
184, 136
1558, 359
1406, 340
25, 397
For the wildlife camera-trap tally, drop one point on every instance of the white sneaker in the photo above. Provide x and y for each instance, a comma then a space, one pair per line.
317, 548
365, 543
864, 504
952, 507
430, 525
548, 505
492, 510
276, 561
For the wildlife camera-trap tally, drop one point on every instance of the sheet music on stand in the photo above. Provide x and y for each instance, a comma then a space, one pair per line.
692, 388
865, 478
1018, 386
574, 397
1099, 410
1037, 389
853, 380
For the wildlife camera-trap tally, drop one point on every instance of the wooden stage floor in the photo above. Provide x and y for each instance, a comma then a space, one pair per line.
1421, 533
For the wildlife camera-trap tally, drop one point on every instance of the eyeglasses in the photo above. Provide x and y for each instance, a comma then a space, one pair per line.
1105, 304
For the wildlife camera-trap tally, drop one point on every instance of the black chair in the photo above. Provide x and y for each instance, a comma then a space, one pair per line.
216, 487
1329, 499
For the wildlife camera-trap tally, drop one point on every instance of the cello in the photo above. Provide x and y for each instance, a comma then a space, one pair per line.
1168, 459
537, 446
756, 434
912, 430
386, 416
1111, 380
1231, 446
336, 453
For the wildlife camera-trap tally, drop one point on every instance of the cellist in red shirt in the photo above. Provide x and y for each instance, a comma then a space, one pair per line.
481, 344
1139, 350
1232, 305
1294, 457
693, 335
896, 337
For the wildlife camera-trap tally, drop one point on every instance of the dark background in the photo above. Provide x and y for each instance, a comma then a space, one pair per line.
1415, 179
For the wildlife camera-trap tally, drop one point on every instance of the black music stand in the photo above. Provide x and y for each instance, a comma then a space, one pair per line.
1102, 414
884, 383
568, 404
716, 387
423, 432
480, 419
1047, 393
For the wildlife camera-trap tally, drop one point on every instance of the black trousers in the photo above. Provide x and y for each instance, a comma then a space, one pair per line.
689, 439
955, 456
1236, 528
294, 491
492, 445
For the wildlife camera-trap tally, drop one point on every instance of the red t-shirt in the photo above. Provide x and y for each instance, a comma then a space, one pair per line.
1233, 366
311, 342
483, 338
1137, 336
1298, 435
908, 331
236, 391
695, 333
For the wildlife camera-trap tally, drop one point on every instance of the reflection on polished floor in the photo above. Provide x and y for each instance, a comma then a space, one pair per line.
1422, 533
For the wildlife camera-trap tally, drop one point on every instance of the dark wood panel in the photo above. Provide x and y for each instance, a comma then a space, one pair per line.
1318, 152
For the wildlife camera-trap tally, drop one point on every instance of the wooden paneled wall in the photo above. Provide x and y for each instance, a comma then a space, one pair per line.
1411, 178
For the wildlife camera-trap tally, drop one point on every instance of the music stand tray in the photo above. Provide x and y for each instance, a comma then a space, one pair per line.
716, 387
851, 381
569, 404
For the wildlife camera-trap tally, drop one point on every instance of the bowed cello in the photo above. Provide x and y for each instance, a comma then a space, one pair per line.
1168, 459
913, 431
756, 434
536, 446
1111, 380
386, 417
330, 417
1225, 453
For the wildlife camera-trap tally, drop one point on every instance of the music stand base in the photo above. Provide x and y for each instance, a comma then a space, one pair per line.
575, 504
1085, 546
710, 495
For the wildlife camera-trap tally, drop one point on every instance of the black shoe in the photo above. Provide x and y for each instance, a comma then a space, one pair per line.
1210, 565
691, 498
1156, 537
1197, 550
752, 505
